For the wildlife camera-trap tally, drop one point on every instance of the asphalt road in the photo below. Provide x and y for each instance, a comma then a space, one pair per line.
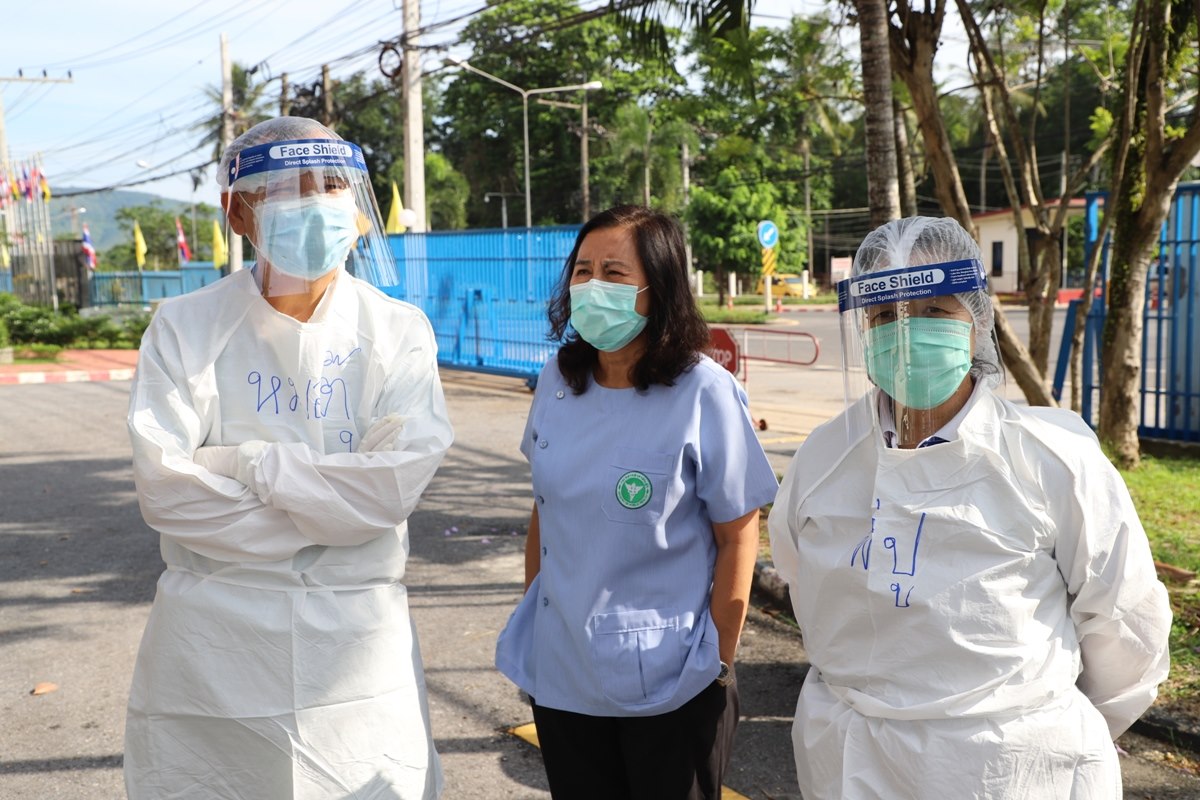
78, 567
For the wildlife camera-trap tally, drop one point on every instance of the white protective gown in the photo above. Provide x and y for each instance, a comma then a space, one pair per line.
279, 660
982, 616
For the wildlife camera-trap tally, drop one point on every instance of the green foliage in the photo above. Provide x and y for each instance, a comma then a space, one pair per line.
249, 108
33, 327
480, 126
1100, 124
446, 194
1164, 491
157, 222
723, 220
369, 113
4, 338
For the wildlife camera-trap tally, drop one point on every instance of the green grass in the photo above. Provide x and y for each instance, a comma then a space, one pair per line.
1166, 492
716, 315
757, 300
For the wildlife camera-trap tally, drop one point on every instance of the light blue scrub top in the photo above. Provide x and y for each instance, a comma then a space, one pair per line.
627, 486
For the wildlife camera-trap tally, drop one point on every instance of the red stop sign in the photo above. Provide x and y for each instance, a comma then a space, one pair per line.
724, 349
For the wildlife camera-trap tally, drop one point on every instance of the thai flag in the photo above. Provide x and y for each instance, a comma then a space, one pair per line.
89, 250
185, 252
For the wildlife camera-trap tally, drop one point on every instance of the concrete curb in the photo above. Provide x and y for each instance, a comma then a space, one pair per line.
66, 376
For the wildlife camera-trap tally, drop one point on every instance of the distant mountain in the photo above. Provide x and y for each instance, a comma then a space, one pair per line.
101, 214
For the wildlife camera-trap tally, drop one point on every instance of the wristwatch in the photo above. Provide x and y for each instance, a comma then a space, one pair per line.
725, 676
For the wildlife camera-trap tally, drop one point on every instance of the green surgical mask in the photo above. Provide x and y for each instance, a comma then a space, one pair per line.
603, 313
919, 362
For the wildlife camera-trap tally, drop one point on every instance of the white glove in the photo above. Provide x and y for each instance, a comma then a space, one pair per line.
382, 435
218, 459
232, 461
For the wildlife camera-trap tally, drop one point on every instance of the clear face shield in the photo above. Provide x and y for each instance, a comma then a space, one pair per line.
907, 347
307, 207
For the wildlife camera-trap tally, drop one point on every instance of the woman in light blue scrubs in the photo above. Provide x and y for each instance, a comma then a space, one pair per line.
647, 481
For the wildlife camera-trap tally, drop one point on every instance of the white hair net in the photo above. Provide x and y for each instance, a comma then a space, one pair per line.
918, 241
280, 129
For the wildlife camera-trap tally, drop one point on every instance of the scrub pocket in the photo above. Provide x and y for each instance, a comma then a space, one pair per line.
637, 481
639, 655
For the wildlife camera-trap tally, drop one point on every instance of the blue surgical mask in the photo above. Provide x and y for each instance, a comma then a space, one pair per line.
919, 362
603, 313
307, 237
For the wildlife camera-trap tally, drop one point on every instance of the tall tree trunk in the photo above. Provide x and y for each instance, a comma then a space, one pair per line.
1122, 339
1154, 165
1020, 365
883, 188
646, 165
904, 165
913, 46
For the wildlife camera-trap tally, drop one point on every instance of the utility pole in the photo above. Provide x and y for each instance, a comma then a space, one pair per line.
326, 97
285, 102
414, 118
808, 221
686, 172
235, 241
584, 170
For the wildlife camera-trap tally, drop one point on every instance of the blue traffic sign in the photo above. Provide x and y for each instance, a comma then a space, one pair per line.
768, 233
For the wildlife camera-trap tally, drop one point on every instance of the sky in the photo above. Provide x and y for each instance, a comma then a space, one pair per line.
139, 70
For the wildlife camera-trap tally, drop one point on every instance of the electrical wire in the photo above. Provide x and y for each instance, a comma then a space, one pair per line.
108, 49
126, 184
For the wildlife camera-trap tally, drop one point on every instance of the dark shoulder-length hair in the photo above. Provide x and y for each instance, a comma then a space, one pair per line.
676, 333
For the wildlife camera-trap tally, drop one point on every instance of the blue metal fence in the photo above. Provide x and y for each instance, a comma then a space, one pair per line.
485, 293
1170, 382
6, 284
117, 288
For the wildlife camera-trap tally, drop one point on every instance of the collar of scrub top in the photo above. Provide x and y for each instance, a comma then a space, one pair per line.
946, 433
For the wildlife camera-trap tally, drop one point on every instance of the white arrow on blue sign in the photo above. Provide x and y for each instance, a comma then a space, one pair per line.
768, 233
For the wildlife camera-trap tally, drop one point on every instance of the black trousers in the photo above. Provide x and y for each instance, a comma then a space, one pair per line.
680, 755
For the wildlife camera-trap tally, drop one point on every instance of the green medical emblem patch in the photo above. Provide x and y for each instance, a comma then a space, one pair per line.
633, 490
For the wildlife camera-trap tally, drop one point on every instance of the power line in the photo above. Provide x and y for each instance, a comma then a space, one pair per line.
139, 182
108, 50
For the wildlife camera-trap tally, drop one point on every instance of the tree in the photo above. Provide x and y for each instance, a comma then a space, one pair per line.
158, 229
723, 216
651, 150
883, 187
1040, 256
446, 193
1156, 142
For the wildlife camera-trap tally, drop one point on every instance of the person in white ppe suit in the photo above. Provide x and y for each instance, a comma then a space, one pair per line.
284, 423
976, 594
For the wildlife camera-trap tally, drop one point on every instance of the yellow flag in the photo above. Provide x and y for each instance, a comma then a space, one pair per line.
219, 257
139, 245
393, 221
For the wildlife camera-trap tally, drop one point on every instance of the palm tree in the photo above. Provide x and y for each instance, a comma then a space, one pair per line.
655, 150
249, 108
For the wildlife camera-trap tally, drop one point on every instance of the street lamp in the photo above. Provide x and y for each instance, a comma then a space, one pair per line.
525, 94
487, 198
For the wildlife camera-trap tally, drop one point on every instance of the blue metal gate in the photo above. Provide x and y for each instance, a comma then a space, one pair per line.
485, 293
1170, 383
